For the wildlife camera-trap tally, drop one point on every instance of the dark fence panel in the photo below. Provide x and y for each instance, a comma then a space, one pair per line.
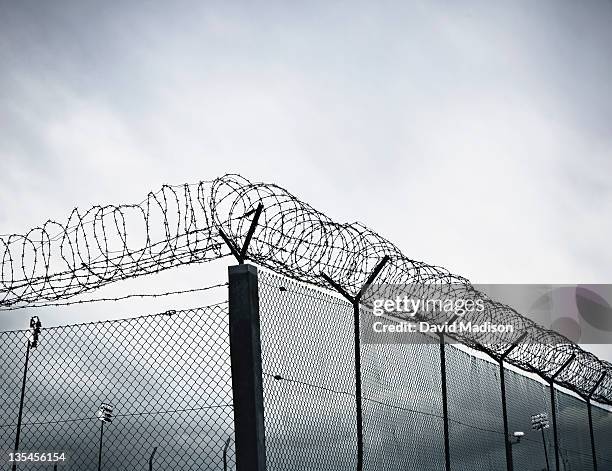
476, 426
527, 397
307, 345
602, 426
574, 438
403, 427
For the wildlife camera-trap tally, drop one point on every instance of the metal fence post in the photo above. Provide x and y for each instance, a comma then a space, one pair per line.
553, 406
507, 443
444, 403
502, 381
355, 301
245, 352
589, 406
592, 435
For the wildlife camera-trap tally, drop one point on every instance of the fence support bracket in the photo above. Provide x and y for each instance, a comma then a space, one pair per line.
241, 254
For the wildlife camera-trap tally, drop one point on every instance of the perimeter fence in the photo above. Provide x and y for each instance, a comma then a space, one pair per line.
309, 392
166, 376
170, 381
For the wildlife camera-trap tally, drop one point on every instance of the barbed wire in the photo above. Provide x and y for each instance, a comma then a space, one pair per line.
116, 298
182, 225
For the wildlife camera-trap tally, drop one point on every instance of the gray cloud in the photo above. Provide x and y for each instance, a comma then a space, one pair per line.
474, 136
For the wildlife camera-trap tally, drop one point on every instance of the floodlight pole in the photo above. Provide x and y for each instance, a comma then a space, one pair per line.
545, 450
105, 414
589, 407
540, 422
100, 449
553, 407
225, 447
502, 380
355, 301
151, 459
23, 386
32, 343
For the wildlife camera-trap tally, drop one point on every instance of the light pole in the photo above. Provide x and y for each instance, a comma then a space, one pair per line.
151, 459
540, 422
105, 414
227, 444
35, 327
512, 440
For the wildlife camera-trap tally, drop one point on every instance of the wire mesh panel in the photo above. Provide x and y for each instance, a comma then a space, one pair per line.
527, 397
166, 376
402, 407
309, 378
573, 430
602, 428
12, 354
309, 397
475, 413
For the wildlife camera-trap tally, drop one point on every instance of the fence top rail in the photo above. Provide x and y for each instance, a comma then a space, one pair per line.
183, 224
125, 320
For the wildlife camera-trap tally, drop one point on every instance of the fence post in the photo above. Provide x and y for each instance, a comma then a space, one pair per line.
507, 443
444, 402
355, 301
589, 406
245, 352
592, 435
502, 381
553, 406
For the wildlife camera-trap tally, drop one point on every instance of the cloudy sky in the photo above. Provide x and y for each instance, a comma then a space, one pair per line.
474, 135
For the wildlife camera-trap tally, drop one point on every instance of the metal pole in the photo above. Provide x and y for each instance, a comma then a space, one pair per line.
358, 399
502, 381
245, 353
355, 301
227, 443
23, 386
151, 459
553, 406
508, 444
444, 403
100, 449
545, 450
589, 405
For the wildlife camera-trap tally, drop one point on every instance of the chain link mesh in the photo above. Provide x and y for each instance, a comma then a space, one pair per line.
309, 377
168, 379
166, 376
309, 397
602, 427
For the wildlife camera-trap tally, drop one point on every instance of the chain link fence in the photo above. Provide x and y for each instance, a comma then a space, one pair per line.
309, 398
167, 377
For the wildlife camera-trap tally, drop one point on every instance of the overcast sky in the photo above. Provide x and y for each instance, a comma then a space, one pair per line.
474, 135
